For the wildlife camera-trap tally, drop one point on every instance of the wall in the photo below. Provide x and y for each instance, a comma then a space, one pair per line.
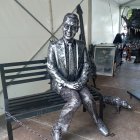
105, 21
21, 36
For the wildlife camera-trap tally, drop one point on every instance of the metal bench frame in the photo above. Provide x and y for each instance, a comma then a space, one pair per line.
32, 105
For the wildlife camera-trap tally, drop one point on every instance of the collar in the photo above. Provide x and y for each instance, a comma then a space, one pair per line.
68, 42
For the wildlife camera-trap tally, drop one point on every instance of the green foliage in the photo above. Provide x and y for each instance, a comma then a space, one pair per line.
129, 14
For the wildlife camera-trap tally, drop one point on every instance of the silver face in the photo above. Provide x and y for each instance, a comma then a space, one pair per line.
70, 28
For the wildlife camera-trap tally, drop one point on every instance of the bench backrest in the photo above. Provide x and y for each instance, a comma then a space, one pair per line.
22, 72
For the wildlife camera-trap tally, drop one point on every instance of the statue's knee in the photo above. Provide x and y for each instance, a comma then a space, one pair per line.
88, 99
76, 103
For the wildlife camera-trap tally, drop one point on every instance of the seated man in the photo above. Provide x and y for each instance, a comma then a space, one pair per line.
68, 65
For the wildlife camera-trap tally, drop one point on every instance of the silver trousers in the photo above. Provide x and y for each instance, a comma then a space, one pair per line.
74, 100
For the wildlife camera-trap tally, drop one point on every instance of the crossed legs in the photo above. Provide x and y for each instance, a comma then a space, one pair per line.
74, 100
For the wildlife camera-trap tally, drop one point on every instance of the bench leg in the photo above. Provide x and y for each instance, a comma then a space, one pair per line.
84, 109
94, 83
9, 130
101, 108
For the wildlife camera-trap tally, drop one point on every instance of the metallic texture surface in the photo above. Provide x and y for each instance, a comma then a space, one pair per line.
58, 64
68, 65
116, 101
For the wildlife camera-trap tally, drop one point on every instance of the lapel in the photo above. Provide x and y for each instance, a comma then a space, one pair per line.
60, 51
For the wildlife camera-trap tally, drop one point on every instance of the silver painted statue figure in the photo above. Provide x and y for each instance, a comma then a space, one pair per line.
68, 65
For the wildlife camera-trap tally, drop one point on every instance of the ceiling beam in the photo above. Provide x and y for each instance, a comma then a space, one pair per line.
126, 3
116, 2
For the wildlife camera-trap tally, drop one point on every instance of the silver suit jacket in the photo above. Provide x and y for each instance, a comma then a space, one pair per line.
57, 67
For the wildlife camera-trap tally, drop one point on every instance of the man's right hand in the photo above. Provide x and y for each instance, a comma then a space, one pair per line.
73, 85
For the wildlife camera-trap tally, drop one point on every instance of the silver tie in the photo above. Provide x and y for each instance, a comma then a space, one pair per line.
71, 61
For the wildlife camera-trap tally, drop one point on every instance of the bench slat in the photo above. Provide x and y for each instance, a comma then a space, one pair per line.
25, 75
35, 100
38, 111
26, 80
31, 108
25, 69
23, 63
47, 93
31, 97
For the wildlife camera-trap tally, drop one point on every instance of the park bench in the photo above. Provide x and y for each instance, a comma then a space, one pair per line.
31, 105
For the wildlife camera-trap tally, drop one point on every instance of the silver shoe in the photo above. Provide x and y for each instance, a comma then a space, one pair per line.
56, 134
102, 128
